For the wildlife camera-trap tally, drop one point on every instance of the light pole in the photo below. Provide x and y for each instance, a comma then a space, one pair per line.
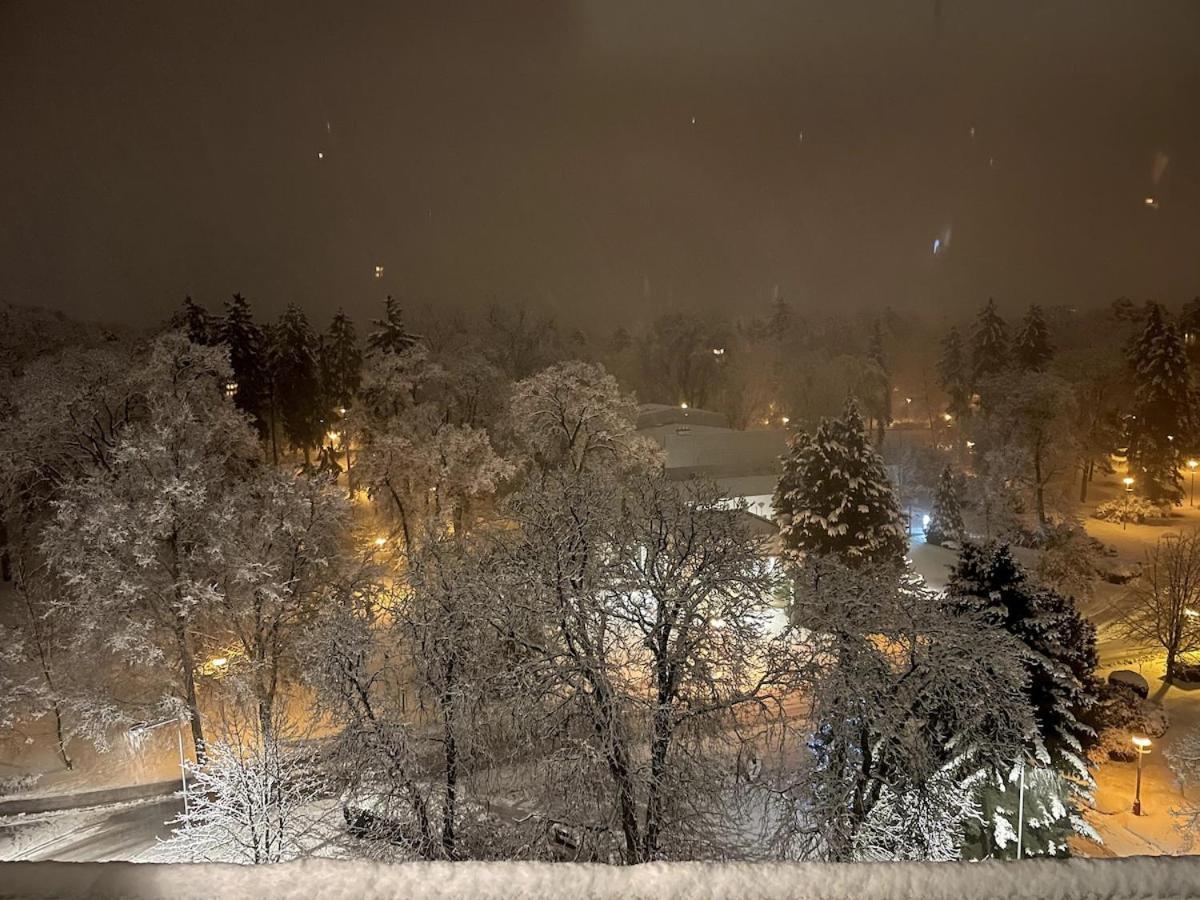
140, 728
1143, 747
1128, 482
1192, 463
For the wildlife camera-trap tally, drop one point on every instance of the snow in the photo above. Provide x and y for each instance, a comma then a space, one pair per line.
1128, 879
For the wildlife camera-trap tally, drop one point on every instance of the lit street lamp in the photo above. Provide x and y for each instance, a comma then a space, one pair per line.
1191, 464
1128, 482
1143, 747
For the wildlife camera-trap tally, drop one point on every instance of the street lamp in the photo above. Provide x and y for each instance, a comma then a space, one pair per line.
1191, 464
138, 729
1128, 482
1143, 747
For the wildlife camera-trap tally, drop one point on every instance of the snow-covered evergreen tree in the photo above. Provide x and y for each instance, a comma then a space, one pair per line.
945, 519
195, 321
834, 499
1161, 423
989, 344
390, 335
1031, 348
1060, 658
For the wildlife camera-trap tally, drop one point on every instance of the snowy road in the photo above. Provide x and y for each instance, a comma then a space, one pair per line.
121, 832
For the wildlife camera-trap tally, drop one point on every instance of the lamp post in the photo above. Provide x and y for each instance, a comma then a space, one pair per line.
140, 728
1192, 464
1143, 747
1128, 482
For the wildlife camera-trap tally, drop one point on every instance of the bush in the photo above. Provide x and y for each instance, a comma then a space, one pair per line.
1129, 508
1118, 715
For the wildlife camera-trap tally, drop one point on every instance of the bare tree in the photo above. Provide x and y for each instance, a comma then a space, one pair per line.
1165, 599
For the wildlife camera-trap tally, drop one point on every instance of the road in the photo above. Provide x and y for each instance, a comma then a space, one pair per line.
120, 832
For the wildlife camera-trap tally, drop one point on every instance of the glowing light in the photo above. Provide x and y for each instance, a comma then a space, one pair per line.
947, 417
937, 246
970, 445
230, 389
380, 541
785, 420
1151, 202
925, 520
718, 351
683, 406
379, 271
1141, 743
1128, 482
1192, 463
320, 155
219, 662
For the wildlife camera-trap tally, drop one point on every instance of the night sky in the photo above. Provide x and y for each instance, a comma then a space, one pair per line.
605, 159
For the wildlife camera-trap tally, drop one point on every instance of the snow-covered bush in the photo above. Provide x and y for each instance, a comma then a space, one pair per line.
1118, 714
1127, 508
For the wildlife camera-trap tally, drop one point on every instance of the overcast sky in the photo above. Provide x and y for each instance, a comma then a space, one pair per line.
606, 158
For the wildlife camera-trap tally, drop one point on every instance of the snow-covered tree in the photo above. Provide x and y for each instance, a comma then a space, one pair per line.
1165, 596
410, 453
251, 801
834, 498
945, 519
1028, 435
573, 415
879, 401
1032, 351
390, 335
900, 739
989, 344
135, 539
1059, 654
195, 321
647, 650
1161, 421
279, 551
1184, 758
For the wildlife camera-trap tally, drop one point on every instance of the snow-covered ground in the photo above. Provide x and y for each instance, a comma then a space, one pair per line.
1125, 879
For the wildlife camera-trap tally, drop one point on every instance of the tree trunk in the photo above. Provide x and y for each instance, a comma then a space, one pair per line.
188, 666
1040, 490
1169, 677
1083, 480
5, 554
449, 809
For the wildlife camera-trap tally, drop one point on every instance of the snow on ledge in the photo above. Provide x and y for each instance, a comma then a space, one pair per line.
1134, 878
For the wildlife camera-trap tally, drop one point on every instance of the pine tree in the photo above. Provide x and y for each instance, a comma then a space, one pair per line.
297, 385
834, 498
781, 317
1032, 348
945, 520
1060, 660
390, 335
989, 344
341, 362
883, 401
952, 374
247, 356
195, 321
1161, 411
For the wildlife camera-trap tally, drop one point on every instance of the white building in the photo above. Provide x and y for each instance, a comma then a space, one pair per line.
744, 464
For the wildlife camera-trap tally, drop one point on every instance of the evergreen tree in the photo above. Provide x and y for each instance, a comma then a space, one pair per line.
834, 499
247, 356
1032, 345
341, 362
989, 344
882, 411
952, 374
781, 317
297, 385
195, 321
945, 520
1060, 660
1161, 411
390, 335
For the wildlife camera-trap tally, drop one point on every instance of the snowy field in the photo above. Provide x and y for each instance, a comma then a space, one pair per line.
1129, 879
